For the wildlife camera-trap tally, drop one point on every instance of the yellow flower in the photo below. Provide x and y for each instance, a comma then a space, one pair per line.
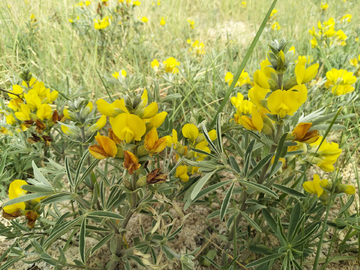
128, 127
243, 3
191, 24
16, 191
155, 64
346, 18
326, 156
153, 144
314, 43
212, 135
116, 74
162, 21
101, 24
171, 65
17, 89
10, 120
131, 162
51, 96
14, 104
341, 81
254, 123
304, 75
261, 79
150, 111
198, 47
324, 7
136, 3
113, 109
44, 112
32, 100
144, 19
243, 79
275, 26
354, 62
181, 172
341, 36
283, 103
172, 139
158, 119
313, 187
98, 125
350, 190
256, 94
24, 113
302, 133
273, 12
204, 147
190, 131
87, 3
106, 147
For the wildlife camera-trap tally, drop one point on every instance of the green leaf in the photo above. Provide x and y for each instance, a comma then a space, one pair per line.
105, 214
86, 173
60, 231
263, 260
346, 206
218, 133
243, 63
207, 138
206, 191
279, 150
38, 175
294, 219
3, 162
259, 188
234, 164
79, 167
248, 156
260, 165
270, 220
82, 241
68, 172
289, 191
252, 223
199, 185
26, 198
60, 197
169, 253
39, 189
225, 203
137, 259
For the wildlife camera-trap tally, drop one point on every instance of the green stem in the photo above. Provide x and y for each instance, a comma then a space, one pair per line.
316, 262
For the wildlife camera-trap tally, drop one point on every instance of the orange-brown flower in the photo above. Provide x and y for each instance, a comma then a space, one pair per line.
131, 162
302, 133
106, 148
153, 144
31, 217
155, 177
112, 136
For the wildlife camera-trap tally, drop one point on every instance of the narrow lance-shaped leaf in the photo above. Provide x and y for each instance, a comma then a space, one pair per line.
260, 188
82, 241
199, 185
248, 153
226, 201
252, 223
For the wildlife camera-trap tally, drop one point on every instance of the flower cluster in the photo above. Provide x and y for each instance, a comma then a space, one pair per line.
321, 188
196, 143
170, 65
30, 106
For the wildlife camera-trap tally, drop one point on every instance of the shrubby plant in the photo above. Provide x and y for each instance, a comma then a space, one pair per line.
79, 168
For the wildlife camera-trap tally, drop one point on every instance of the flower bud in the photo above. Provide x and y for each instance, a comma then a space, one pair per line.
200, 138
190, 154
324, 198
350, 190
267, 130
341, 188
141, 151
180, 149
141, 182
326, 184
